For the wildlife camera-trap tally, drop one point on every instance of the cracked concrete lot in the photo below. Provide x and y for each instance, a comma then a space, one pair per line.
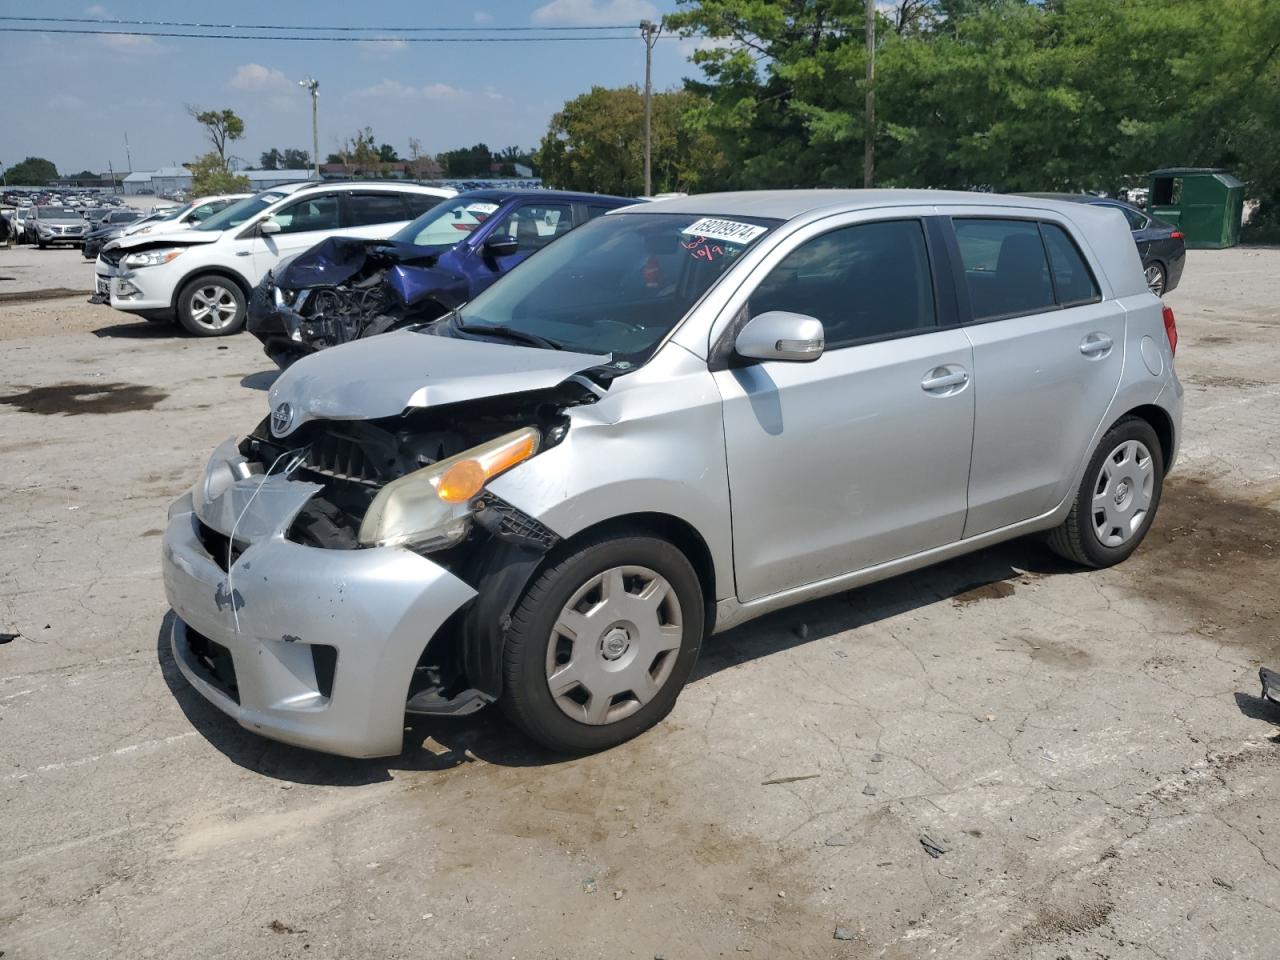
1084, 750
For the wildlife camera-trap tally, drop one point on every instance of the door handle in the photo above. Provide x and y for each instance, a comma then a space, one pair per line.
1096, 345
945, 381
243, 253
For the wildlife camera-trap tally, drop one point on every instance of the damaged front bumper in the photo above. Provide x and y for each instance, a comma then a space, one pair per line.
277, 325
314, 647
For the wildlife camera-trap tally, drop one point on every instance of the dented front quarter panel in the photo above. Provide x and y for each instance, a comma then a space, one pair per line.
653, 444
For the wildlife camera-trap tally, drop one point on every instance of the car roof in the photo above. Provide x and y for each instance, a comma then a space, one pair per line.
547, 196
398, 186
1080, 198
790, 204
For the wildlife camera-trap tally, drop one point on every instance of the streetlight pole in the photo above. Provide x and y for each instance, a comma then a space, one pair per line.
869, 150
649, 31
313, 85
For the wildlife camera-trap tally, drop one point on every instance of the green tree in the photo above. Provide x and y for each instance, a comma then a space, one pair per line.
31, 172
387, 154
221, 127
271, 159
596, 142
294, 159
209, 175
468, 161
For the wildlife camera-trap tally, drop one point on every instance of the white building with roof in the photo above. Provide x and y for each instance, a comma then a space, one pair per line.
138, 182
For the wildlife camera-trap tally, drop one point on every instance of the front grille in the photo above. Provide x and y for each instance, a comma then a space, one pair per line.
342, 458
214, 662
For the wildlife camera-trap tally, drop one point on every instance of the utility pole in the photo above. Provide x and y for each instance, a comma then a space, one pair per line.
128, 156
869, 151
649, 31
313, 85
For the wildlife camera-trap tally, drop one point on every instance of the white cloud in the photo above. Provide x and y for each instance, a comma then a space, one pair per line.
120, 42
594, 13
481, 16
254, 76
691, 45
97, 10
395, 90
371, 49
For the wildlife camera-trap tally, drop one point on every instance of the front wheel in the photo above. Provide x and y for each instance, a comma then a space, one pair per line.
1117, 499
211, 306
602, 643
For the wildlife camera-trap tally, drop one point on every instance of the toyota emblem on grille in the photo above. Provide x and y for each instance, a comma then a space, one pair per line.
281, 419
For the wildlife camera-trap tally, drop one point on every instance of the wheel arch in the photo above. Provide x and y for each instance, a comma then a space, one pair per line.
506, 570
1159, 420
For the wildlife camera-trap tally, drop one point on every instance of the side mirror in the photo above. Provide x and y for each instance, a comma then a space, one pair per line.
779, 335
268, 227
501, 245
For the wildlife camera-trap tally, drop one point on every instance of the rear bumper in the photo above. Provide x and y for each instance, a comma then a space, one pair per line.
317, 647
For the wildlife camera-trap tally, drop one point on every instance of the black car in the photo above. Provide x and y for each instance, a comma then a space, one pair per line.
348, 288
108, 228
1161, 245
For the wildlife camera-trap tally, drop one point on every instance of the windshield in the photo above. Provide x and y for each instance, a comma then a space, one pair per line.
447, 222
57, 213
617, 285
241, 211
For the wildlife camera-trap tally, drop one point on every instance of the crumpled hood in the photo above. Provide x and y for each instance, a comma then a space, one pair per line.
335, 260
170, 237
386, 375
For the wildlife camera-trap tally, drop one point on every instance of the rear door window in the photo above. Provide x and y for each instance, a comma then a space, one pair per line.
1005, 267
1071, 275
864, 282
367, 209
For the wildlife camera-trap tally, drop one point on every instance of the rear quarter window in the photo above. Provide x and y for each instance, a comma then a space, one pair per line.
1072, 277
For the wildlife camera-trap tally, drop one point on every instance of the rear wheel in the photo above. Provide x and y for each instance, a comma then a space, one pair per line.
211, 306
1156, 278
602, 643
1117, 499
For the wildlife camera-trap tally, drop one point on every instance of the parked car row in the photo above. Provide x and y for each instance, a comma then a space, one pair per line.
668, 418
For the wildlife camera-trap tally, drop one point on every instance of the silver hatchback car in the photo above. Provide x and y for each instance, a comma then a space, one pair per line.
681, 416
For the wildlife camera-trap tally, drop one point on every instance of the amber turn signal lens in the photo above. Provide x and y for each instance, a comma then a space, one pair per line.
461, 482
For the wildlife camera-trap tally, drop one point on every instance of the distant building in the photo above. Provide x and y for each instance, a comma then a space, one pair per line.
138, 183
266, 179
167, 181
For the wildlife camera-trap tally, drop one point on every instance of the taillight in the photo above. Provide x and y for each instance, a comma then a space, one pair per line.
1171, 330
1176, 235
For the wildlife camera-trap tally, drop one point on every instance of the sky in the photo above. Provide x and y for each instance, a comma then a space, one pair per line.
79, 96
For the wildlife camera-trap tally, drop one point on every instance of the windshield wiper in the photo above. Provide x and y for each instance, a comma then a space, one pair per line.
502, 330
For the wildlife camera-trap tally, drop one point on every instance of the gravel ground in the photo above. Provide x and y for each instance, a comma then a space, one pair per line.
1084, 750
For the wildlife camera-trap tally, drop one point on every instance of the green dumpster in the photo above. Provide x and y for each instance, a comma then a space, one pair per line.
1205, 203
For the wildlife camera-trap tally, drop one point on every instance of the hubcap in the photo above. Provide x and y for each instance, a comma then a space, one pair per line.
614, 645
213, 306
1155, 280
1122, 493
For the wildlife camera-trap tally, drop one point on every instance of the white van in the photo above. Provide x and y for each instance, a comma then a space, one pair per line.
202, 276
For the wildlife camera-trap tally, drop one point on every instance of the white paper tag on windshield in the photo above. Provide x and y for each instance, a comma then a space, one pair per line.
731, 231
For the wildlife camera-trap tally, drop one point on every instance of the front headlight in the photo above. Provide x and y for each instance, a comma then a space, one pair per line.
431, 508
152, 258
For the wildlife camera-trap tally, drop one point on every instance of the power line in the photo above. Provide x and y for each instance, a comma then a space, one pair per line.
112, 21
268, 36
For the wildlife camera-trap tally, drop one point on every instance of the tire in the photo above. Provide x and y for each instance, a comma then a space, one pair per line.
1117, 500
618, 650
1157, 277
42, 245
211, 305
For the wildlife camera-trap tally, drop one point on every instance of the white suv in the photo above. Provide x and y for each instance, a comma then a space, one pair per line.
202, 276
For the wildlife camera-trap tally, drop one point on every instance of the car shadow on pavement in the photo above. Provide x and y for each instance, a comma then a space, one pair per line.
441, 744
140, 330
261, 380
1259, 708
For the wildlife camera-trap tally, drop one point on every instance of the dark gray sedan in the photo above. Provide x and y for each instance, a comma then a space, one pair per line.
1161, 245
